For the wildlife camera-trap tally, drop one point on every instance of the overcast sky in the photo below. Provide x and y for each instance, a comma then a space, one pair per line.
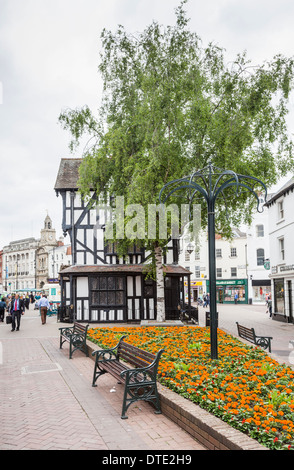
49, 55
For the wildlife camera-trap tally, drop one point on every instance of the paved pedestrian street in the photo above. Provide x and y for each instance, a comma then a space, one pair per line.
47, 401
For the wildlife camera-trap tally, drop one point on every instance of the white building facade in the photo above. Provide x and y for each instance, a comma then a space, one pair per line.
19, 265
26, 263
281, 235
258, 257
231, 267
58, 258
242, 263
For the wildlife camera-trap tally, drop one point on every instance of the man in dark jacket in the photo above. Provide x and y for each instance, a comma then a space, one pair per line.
2, 309
17, 308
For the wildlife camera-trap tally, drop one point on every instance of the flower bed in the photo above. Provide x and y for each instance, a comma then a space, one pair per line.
245, 387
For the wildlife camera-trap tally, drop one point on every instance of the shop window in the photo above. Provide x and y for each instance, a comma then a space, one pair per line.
260, 256
218, 252
259, 230
279, 296
233, 272
233, 252
219, 272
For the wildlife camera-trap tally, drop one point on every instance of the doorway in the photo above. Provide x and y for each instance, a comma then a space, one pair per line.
290, 301
220, 295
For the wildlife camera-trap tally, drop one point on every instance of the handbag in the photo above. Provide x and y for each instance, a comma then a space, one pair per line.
8, 319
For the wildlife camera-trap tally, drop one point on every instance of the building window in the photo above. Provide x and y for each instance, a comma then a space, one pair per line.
260, 256
197, 271
281, 210
111, 248
233, 272
233, 252
187, 255
282, 248
259, 231
218, 252
219, 272
149, 288
197, 254
107, 291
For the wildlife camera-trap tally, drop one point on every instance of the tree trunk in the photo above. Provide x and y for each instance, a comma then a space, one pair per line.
160, 316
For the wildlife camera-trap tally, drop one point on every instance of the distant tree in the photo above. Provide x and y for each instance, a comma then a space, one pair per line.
170, 106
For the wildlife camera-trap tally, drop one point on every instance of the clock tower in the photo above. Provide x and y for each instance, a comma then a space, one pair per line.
48, 233
47, 241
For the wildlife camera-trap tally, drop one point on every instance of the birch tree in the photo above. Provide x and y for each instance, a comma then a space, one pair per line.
171, 105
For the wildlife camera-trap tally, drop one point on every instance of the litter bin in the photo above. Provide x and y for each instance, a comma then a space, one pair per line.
207, 319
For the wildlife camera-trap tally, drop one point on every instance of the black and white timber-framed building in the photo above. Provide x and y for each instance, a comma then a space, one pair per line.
100, 286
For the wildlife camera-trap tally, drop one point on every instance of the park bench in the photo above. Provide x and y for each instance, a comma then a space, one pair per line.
249, 335
134, 367
189, 315
76, 336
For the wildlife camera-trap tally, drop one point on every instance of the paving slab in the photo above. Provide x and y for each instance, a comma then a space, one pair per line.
47, 401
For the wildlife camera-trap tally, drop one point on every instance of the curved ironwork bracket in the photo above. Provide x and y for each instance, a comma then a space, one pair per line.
212, 182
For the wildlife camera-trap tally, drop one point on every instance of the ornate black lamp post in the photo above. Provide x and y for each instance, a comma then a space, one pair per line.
211, 182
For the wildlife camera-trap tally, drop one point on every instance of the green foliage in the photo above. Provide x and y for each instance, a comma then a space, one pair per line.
170, 106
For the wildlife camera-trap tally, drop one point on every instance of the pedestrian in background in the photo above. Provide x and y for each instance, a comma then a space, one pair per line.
2, 309
27, 302
269, 305
16, 309
43, 305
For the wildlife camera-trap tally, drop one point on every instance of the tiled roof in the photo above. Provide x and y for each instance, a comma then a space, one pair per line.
282, 191
121, 268
68, 174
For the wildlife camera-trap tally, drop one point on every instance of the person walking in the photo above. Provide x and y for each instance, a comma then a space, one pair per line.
27, 302
236, 297
270, 305
16, 309
44, 305
204, 300
2, 309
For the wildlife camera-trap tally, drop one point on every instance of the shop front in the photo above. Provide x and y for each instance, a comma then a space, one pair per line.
279, 310
282, 286
261, 288
226, 290
196, 290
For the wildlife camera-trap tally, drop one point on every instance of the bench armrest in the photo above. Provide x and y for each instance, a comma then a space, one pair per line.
263, 341
77, 336
68, 330
111, 351
105, 354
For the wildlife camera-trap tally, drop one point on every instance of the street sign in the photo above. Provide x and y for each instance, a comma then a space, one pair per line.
267, 264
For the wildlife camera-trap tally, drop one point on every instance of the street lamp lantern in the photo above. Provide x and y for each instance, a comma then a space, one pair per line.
212, 182
190, 248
